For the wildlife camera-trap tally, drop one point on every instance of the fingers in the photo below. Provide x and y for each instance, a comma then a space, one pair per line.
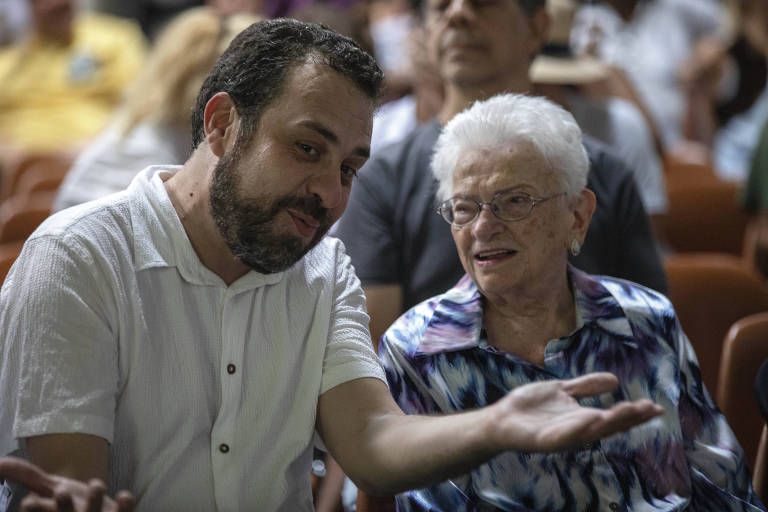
63, 501
95, 496
590, 384
35, 503
27, 474
623, 416
125, 501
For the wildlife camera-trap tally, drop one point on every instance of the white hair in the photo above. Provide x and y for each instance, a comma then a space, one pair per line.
504, 119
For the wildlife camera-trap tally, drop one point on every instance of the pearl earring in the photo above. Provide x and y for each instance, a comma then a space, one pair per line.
575, 247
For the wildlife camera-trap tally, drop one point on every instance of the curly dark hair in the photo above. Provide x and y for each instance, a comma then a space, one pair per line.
254, 67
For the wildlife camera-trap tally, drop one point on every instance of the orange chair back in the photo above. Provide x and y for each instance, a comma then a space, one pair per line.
703, 216
710, 292
744, 350
760, 473
13, 172
8, 254
40, 177
19, 216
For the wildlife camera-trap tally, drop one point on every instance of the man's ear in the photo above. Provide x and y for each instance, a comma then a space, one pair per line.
538, 26
221, 123
583, 208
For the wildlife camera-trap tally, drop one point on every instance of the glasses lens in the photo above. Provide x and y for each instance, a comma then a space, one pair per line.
459, 211
512, 206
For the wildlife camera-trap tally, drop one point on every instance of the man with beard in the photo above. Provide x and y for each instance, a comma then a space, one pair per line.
186, 338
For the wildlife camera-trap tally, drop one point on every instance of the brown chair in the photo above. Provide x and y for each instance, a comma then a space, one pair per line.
40, 177
703, 216
710, 292
8, 254
760, 473
20, 215
744, 350
52, 164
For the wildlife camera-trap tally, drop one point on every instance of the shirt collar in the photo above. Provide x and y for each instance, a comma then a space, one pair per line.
457, 317
160, 239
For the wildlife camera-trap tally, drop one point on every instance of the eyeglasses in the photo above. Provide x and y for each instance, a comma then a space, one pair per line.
512, 205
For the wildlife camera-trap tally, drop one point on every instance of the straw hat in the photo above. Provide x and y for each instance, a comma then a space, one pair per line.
556, 64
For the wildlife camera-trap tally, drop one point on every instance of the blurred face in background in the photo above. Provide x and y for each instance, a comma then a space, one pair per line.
478, 43
227, 7
52, 19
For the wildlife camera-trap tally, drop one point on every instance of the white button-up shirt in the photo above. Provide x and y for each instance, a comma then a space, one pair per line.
207, 393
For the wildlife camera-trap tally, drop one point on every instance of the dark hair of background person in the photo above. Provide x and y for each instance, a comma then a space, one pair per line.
254, 67
531, 6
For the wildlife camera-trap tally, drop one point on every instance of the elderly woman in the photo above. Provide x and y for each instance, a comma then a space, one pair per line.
511, 174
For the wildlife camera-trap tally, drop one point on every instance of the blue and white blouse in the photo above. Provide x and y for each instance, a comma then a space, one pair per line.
437, 360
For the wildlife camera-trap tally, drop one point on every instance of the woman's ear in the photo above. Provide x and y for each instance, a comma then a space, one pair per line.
583, 208
221, 123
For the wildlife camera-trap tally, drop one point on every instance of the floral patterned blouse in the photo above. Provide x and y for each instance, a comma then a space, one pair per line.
437, 360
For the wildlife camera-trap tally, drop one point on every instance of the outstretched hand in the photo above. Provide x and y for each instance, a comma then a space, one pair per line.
57, 493
545, 416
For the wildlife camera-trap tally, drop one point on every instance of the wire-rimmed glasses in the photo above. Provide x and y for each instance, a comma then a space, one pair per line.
510, 205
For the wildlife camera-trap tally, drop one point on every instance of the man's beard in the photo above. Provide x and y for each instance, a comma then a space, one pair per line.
248, 225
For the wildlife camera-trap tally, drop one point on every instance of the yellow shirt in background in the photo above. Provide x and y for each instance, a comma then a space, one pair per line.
54, 97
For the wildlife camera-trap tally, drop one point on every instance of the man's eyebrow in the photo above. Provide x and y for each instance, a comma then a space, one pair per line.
327, 134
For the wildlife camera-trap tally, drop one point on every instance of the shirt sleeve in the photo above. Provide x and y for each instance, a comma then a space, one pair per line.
720, 479
58, 372
349, 353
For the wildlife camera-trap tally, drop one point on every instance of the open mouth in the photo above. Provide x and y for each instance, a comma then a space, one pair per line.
497, 255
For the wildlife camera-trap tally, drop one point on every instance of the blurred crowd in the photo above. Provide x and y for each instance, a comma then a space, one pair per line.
662, 81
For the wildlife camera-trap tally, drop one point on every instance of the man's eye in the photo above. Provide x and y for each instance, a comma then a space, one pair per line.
307, 148
348, 171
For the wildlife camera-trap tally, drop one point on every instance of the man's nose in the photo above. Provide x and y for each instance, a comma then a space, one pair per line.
458, 10
328, 188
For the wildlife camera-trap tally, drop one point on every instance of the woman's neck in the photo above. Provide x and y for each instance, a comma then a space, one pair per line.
525, 326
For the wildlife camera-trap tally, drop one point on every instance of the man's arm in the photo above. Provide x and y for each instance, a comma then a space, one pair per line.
80, 456
385, 451
384, 304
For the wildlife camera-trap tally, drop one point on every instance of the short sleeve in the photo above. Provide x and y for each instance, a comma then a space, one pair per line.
58, 372
349, 353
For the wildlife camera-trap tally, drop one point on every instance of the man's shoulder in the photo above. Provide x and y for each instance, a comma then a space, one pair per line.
607, 170
405, 156
323, 263
100, 215
604, 160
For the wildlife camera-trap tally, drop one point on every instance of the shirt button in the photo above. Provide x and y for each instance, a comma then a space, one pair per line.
224, 448
613, 505
230, 368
